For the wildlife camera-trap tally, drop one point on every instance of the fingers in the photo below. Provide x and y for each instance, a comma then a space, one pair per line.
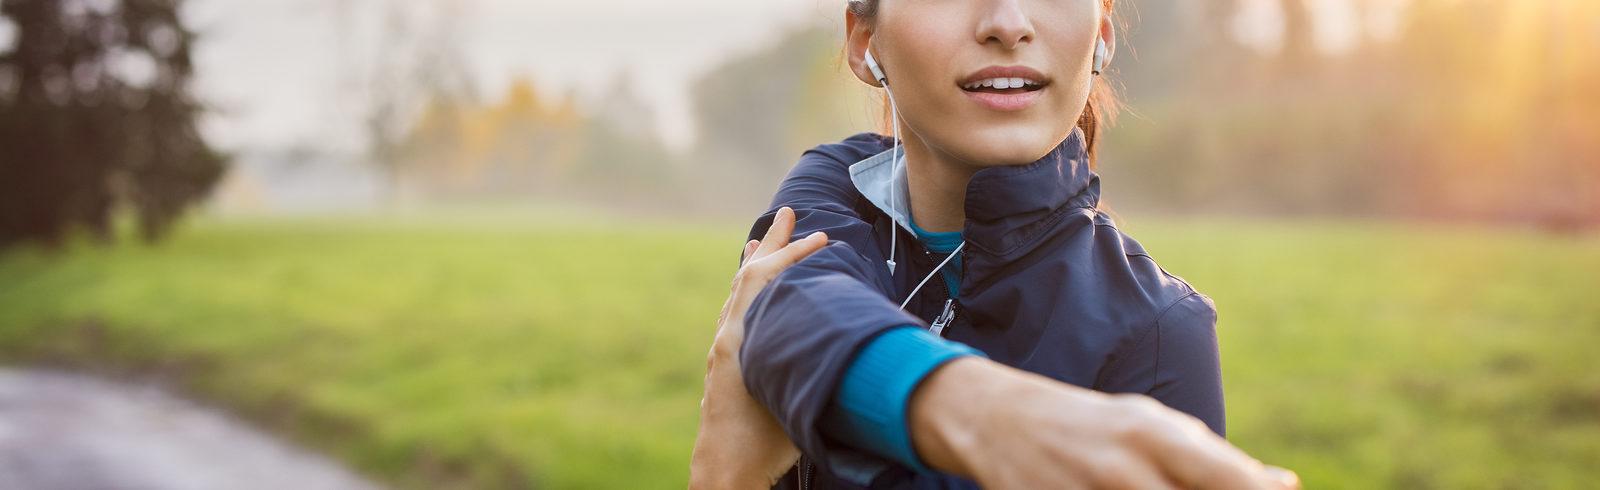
749, 248
757, 268
777, 234
786, 257
1285, 479
756, 272
1202, 460
1141, 475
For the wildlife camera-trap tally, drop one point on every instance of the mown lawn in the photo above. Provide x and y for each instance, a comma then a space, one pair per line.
568, 352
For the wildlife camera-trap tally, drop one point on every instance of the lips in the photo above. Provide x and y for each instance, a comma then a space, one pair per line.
1004, 88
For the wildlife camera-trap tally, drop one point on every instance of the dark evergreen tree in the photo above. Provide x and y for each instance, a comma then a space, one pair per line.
96, 116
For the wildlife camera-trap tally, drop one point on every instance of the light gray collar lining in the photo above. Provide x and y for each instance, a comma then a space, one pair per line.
874, 175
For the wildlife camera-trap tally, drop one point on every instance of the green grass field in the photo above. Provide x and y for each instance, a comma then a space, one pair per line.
551, 353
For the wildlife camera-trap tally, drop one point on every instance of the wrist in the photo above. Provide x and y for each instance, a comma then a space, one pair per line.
721, 458
708, 477
947, 411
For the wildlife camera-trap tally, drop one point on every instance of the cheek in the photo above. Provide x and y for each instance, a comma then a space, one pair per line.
1071, 51
924, 83
918, 51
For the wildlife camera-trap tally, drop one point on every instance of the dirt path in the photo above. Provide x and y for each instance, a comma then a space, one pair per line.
68, 431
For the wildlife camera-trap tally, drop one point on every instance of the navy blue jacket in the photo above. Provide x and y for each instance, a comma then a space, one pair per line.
1048, 285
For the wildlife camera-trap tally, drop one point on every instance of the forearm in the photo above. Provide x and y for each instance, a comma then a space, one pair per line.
722, 457
972, 397
933, 413
1007, 428
942, 414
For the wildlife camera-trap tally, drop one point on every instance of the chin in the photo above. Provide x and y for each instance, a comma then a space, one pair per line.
992, 147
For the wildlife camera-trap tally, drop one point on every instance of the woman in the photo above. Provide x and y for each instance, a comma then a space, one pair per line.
881, 380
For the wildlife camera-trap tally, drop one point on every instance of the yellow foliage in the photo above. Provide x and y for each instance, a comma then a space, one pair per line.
455, 145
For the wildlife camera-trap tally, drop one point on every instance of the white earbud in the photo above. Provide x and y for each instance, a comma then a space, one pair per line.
1099, 56
877, 72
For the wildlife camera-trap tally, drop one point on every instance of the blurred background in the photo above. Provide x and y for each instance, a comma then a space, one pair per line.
483, 243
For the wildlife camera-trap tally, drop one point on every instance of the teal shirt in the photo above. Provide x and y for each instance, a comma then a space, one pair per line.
941, 244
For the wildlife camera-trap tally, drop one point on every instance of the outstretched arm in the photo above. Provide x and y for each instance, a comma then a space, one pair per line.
1008, 428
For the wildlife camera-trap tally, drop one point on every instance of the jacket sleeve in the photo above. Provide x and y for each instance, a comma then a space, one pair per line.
1177, 362
806, 326
870, 409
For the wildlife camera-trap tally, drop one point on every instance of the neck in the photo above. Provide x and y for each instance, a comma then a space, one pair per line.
938, 187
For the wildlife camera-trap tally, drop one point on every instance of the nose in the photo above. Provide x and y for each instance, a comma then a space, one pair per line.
1004, 22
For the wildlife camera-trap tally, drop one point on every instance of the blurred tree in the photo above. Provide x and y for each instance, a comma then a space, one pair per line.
415, 60
758, 111
1507, 115
1298, 55
1454, 109
620, 144
513, 146
96, 116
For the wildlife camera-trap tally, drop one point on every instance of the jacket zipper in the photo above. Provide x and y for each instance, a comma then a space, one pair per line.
947, 315
944, 318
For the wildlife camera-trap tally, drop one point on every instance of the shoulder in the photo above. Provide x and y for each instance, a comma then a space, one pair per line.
1125, 257
1193, 315
1169, 327
1162, 297
822, 176
847, 151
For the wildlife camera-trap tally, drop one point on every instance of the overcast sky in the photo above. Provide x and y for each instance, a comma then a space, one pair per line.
277, 73
274, 68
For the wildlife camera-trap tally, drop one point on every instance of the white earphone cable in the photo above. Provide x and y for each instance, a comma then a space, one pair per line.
894, 188
894, 161
936, 270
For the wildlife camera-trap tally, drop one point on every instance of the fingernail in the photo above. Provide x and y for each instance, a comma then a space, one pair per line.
1286, 478
814, 234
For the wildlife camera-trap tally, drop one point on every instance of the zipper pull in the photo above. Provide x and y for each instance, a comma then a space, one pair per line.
944, 319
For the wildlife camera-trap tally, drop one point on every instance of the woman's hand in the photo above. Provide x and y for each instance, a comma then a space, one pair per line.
1008, 428
740, 444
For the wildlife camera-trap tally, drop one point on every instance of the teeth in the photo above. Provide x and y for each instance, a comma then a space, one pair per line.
1002, 83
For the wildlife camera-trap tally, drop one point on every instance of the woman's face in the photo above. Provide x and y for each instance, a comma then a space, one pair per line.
947, 59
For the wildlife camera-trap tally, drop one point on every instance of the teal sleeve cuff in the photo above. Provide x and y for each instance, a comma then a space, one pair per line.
873, 399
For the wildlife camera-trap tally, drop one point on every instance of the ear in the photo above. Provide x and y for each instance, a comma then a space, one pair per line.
1108, 33
858, 36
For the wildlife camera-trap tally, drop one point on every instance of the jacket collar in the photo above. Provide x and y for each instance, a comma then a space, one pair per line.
880, 182
1007, 206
